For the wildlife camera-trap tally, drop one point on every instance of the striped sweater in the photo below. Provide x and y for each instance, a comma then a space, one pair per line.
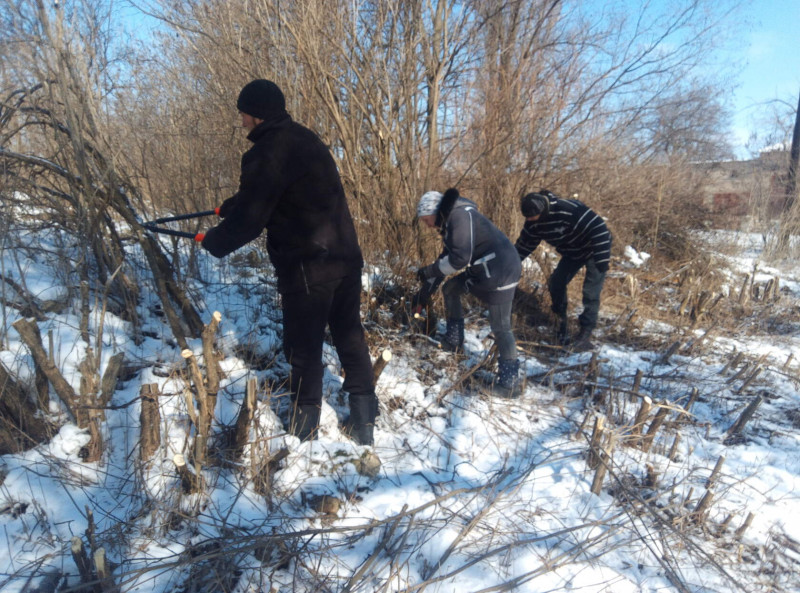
575, 230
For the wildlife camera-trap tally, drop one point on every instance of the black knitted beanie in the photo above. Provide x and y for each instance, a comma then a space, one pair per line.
261, 98
534, 204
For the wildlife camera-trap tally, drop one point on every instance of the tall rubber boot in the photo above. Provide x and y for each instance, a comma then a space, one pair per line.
361, 424
506, 383
582, 340
562, 331
304, 422
453, 339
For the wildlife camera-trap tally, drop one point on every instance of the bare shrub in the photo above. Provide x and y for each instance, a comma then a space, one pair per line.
492, 99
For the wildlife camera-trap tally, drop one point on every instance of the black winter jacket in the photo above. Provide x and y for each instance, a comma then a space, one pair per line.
472, 241
289, 185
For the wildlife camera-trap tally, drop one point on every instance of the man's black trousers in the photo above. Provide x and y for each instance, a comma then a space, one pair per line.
334, 304
592, 286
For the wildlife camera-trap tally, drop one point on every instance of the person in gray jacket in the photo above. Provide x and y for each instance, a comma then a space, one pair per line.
488, 267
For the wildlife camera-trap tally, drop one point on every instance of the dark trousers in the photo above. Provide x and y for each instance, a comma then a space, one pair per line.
499, 315
592, 286
335, 304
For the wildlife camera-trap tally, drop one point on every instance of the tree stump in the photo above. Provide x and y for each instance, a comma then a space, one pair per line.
735, 431
593, 460
81, 559
190, 482
241, 431
380, 364
641, 418
149, 422
655, 426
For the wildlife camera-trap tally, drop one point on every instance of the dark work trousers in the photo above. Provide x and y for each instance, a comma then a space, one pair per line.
335, 304
592, 286
499, 314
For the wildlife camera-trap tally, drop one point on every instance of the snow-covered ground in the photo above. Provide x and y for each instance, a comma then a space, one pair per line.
474, 493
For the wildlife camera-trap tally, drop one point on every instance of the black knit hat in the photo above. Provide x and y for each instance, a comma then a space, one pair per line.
534, 204
261, 98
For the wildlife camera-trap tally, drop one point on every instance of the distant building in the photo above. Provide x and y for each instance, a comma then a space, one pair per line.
738, 188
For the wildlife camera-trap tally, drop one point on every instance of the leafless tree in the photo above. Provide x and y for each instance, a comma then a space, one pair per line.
61, 150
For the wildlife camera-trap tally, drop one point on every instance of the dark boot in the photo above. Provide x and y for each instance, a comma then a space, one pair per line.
582, 340
361, 424
304, 422
454, 335
562, 331
506, 383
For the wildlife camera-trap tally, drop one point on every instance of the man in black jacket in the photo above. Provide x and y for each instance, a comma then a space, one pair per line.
582, 239
489, 269
290, 185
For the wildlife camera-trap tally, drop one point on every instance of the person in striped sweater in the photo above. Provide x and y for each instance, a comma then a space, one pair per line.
583, 240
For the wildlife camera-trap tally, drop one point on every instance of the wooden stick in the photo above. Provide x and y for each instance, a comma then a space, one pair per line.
673, 348
197, 376
688, 498
604, 459
81, 559
40, 379
692, 398
29, 333
699, 513
737, 358
110, 377
212, 369
103, 571
744, 293
205, 413
190, 482
654, 427
593, 458
599, 474
673, 450
776, 289
723, 527
738, 426
641, 416
591, 378
651, 479
637, 383
715, 472
149, 422
242, 427
94, 448
750, 379
744, 526
579, 432
88, 389
739, 373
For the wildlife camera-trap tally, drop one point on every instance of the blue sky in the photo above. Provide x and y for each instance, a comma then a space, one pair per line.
770, 56
766, 54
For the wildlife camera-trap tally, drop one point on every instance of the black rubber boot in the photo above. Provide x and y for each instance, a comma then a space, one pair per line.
506, 383
304, 422
361, 424
453, 340
582, 340
562, 332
